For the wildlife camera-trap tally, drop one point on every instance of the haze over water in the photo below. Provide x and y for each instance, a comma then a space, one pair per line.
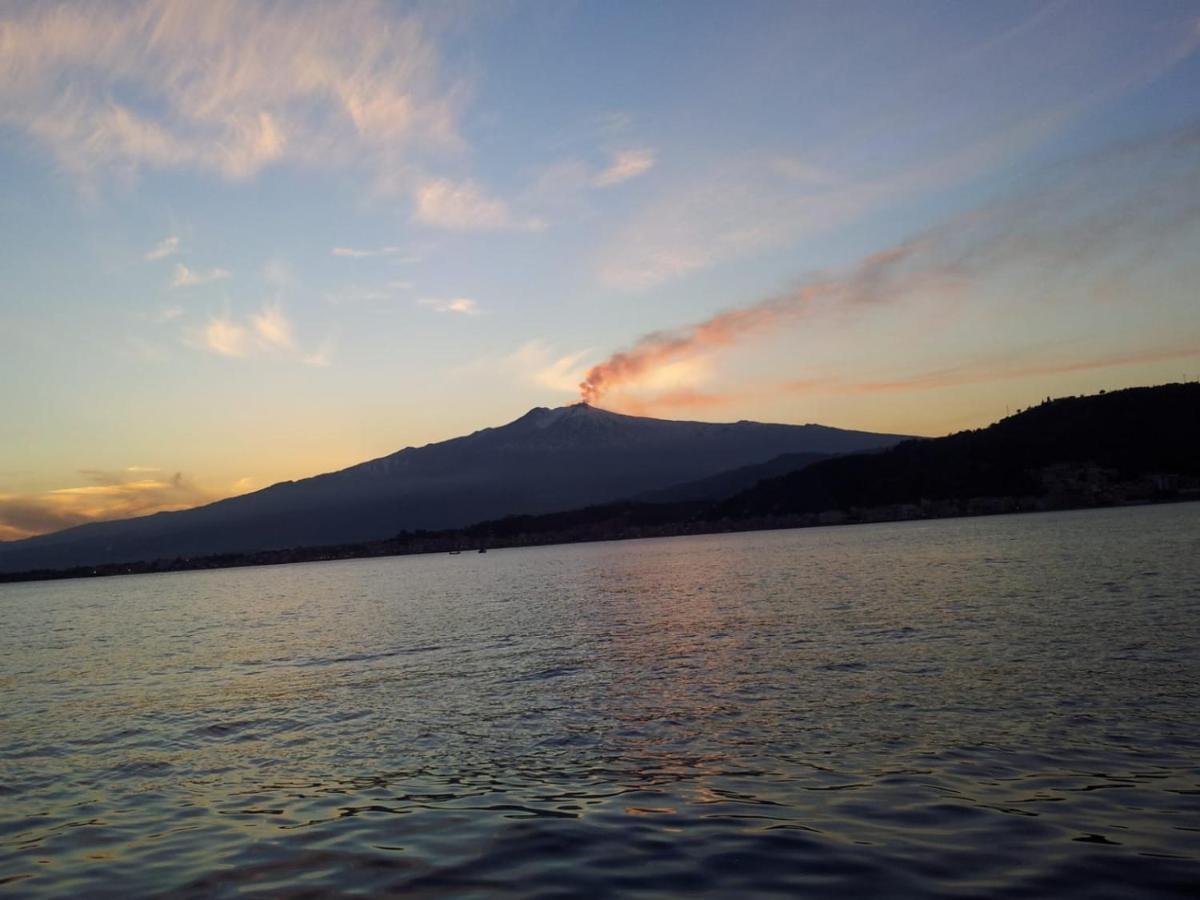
983, 707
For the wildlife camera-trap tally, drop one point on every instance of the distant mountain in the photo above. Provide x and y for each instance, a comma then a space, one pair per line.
726, 484
1083, 450
547, 460
1132, 446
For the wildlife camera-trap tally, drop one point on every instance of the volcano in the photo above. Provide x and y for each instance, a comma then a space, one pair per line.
545, 461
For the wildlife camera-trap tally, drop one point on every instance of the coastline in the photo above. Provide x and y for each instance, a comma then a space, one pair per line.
488, 535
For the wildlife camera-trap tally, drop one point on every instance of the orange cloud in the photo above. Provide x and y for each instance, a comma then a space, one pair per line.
110, 495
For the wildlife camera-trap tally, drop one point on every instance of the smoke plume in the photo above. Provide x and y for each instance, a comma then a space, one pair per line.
1113, 227
864, 284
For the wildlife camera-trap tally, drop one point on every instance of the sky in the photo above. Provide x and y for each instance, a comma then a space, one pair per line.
243, 242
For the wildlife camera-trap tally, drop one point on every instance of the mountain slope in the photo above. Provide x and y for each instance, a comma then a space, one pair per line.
547, 460
732, 481
1104, 438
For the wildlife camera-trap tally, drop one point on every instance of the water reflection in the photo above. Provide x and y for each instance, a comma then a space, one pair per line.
957, 708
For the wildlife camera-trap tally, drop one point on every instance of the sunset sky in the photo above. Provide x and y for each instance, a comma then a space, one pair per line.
244, 242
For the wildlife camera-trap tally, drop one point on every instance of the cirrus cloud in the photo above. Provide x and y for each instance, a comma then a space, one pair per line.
185, 277
225, 87
626, 164
1058, 68
164, 248
366, 253
464, 306
465, 206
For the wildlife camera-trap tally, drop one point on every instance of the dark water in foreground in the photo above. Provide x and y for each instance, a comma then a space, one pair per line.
986, 707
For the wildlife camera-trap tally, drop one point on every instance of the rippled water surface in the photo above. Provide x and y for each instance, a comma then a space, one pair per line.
985, 707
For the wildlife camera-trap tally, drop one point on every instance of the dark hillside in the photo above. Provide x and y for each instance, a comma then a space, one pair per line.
1102, 439
1130, 446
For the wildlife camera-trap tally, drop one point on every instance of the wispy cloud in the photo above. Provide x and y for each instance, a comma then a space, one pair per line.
994, 370
224, 336
1057, 69
273, 328
134, 347
277, 273
185, 277
626, 164
244, 485
267, 332
465, 206
224, 87
563, 187
359, 294
164, 248
462, 305
105, 495
320, 358
354, 253
535, 363
737, 211
801, 170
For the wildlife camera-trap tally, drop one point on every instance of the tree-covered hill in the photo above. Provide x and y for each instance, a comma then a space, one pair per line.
1120, 436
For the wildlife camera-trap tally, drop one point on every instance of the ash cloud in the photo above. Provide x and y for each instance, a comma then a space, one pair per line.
1101, 221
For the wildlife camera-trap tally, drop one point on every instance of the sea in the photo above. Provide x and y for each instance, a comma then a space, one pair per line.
1003, 706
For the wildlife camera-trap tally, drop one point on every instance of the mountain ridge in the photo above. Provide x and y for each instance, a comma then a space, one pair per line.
546, 460
1138, 445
